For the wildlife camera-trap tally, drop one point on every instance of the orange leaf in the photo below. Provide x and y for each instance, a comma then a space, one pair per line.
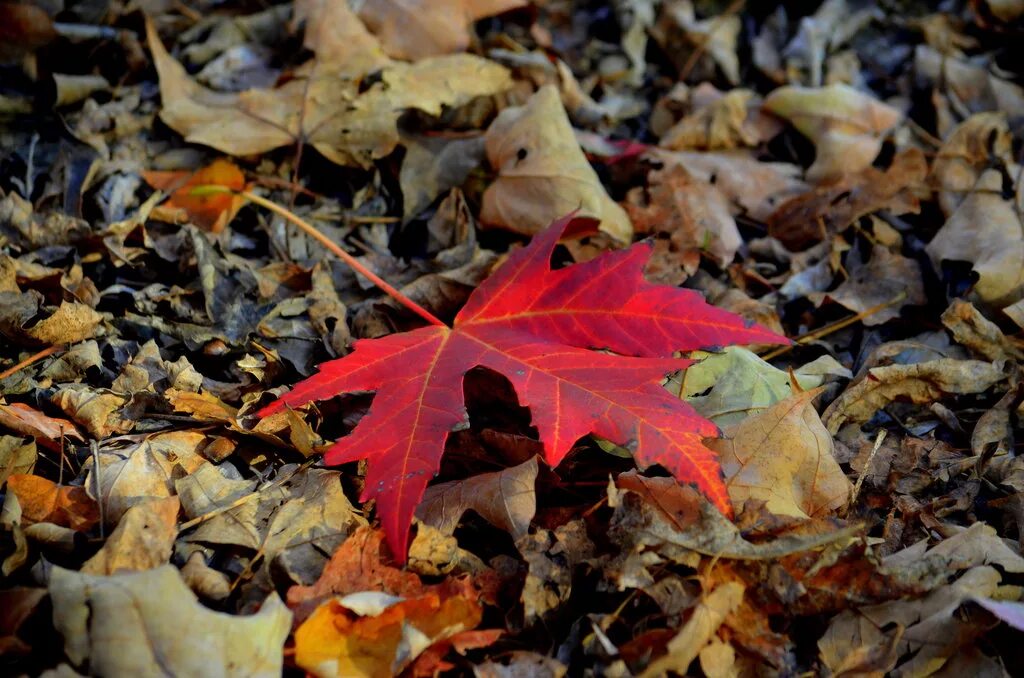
211, 212
44, 501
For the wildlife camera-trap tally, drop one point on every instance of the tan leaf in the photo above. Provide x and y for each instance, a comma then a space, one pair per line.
200, 405
785, 457
143, 540
98, 410
721, 125
542, 173
414, 29
16, 456
505, 499
973, 330
845, 125
324, 104
71, 322
229, 505
917, 383
885, 284
149, 623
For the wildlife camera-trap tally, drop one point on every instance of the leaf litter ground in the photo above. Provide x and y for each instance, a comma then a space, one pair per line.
845, 175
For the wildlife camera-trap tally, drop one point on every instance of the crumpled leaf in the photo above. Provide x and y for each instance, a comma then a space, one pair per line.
693, 214
100, 411
70, 322
144, 471
720, 125
845, 125
17, 456
211, 490
973, 330
551, 556
43, 500
887, 277
542, 173
324, 105
699, 629
506, 499
29, 421
785, 457
143, 540
16, 605
135, 624
521, 664
715, 36
918, 383
414, 29
211, 212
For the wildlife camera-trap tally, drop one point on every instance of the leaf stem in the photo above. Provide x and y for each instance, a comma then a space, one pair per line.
312, 232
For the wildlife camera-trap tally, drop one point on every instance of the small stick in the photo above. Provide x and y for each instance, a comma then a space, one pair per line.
867, 467
96, 474
31, 359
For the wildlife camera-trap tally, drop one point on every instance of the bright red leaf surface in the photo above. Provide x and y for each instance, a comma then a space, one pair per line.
537, 327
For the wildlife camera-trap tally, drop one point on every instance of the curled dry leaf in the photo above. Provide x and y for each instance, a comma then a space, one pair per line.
982, 336
143, 540
325, 105
974, 146
414, 29
132, 624
845, 125
918, 383
17, 456
885, 284
542, 172
784, 457
720, 125
29, 421
506, 499
44, 501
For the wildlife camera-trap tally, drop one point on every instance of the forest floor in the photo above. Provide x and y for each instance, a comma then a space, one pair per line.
504, 465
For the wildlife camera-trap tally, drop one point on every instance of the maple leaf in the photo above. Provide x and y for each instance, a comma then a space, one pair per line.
537, 327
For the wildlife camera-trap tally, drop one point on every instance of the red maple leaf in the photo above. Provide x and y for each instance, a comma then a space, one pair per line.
537, 327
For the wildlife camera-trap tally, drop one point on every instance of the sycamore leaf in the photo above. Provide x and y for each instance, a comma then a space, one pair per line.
535, 326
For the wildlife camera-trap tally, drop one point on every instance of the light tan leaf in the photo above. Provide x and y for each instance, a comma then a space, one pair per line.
886, 278
845, 125
918, 383
143, 471
414, 29
542, 173
100, 411
785, 457
209, 490
720, 125
149, 623
71, 322
143, 540
505, 499
973, 330
16, 456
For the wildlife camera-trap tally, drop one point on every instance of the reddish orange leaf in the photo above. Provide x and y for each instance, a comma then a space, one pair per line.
44, 501
211, 212
537, 327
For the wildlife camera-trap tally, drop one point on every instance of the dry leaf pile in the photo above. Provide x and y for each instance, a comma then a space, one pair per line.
846, 174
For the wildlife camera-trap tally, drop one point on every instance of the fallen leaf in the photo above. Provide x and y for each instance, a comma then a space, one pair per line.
231, 502
18, 456
143, 540
100, 411
414, 29
136, 623
982, 336
521, 664
715, 36
886, 278
324, 104
720, 125
17, 604
785, 457
845, 125
211, 212
542, 173
692, 213
534, 334
505, 499
43, 500
917, 383
551, 556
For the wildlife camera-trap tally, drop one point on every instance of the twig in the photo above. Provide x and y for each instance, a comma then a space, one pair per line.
96, 474
31, 359
312, 232
867, 467
834, 327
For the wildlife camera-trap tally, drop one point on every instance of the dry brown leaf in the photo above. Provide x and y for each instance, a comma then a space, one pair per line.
325, 106
209, 490
201, 405
886, 278
692, 213
720, 125
17, 456
809, 218
785, 457
414, 29
99, 411
685, 37
982, 336
44, 501
918, 383
845, 125
143, 540
143, 471
505, 499
71, 322
752, 187
149, 623
970, 149
542, 173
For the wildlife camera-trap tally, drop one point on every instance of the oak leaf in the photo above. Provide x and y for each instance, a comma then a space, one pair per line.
535, 326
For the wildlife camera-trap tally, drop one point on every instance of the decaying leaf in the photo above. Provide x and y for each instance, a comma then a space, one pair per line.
542, 173
785, 457
917, 383
211, 212
43, 500
505, 498
17, 456
883, 285
134, 623
845, 125
143, 539
972, 329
